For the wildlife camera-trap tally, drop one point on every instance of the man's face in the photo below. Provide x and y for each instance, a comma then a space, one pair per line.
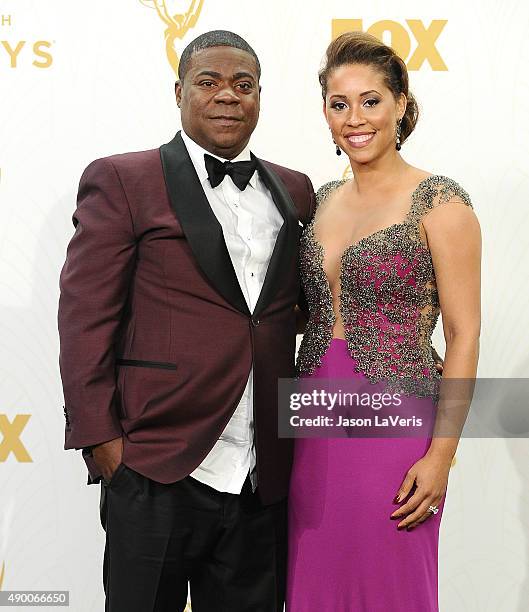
219, 100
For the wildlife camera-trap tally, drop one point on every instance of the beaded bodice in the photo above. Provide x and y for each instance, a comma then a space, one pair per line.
389, 304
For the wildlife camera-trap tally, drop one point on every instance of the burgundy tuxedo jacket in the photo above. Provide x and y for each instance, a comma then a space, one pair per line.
156, 339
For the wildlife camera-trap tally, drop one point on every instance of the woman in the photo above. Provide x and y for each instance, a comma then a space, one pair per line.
385, 253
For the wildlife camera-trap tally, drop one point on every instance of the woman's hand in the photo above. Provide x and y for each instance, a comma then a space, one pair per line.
429, 478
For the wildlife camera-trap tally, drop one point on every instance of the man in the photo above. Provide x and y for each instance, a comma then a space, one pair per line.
176, 319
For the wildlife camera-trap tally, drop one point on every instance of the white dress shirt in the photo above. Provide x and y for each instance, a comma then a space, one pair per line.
250, 223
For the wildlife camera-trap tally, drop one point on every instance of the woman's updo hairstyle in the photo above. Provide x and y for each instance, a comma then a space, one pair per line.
362, 48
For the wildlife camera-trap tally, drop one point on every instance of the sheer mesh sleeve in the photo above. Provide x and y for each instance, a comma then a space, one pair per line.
435, 191
326, 189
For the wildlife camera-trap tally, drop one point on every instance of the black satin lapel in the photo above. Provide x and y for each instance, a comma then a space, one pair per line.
199, 223
287, 242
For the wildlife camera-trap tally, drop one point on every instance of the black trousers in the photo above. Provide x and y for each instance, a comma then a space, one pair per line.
159, 537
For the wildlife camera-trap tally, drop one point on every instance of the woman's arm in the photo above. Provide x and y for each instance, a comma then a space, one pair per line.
454, 239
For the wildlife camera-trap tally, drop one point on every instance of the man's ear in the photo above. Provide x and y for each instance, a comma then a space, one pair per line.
178, 92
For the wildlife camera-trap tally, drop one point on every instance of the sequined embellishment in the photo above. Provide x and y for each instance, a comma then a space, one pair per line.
388, 296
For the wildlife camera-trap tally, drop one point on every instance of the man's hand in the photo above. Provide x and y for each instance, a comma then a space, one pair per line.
108, 456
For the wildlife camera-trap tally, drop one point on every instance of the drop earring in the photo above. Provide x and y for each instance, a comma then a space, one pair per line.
338, 150
398, 145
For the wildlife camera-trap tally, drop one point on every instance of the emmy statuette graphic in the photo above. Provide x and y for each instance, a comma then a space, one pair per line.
177, 25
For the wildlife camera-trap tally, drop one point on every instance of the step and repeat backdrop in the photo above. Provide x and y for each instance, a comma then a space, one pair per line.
81, 79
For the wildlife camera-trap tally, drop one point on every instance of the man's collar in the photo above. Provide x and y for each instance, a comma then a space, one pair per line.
196, 152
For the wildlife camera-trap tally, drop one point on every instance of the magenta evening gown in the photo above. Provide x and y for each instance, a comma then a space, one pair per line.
345, 553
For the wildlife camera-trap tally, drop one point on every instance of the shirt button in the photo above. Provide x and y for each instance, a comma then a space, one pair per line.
255, 321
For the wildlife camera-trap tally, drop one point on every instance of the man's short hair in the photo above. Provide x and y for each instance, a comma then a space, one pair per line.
215, 38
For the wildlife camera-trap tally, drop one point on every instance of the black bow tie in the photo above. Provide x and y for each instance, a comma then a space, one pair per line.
240, 172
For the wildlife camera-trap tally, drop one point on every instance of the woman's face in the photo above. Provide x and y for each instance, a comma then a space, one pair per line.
362, 112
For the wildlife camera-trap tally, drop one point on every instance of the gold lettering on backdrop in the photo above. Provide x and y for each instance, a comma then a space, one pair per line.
18, 51
426, 39
42, 59
2, 574
11, 442
45, 57
13, 53
177, 25
401, 40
